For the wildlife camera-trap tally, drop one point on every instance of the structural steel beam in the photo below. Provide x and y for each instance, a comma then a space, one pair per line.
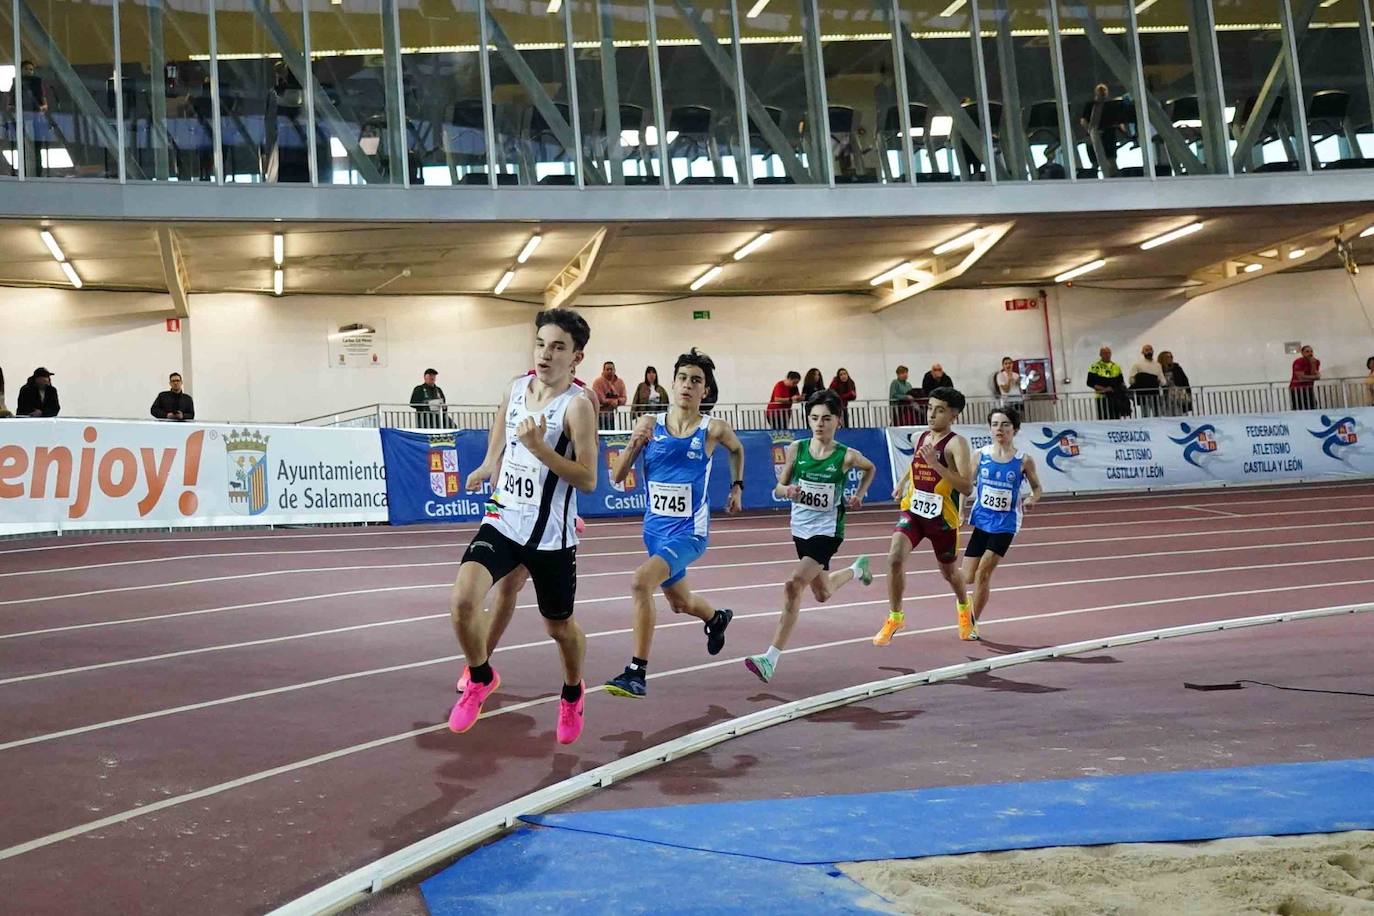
1275, 258
937, 271
1271, 89
174, 271
578, 272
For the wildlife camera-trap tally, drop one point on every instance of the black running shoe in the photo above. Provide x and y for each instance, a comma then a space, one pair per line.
627, 684
715, 630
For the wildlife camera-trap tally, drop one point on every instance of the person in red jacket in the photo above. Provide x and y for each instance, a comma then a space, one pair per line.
1306, 370
785, 394
843, 385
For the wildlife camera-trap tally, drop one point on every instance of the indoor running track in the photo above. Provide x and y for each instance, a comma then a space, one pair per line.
222, 722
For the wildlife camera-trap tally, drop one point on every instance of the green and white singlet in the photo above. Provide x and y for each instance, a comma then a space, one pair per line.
819, 507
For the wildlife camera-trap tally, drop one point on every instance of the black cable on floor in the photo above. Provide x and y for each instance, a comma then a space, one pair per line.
1240, 685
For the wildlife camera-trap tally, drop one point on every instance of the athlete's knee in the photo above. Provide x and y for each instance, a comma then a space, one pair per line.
794, 586
983, 574
642, 582
463, 604
896, 556
561, 630
950, 571
821, 590
678, 604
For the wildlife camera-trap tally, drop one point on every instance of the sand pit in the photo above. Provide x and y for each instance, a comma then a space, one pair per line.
1330, 873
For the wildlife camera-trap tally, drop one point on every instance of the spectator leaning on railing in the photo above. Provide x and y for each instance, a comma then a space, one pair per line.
4, 411
812, 383
610, 390
784, 395
844, 386
38, 397
1307, 369
1104, 377
1146, 380
1178, 393
901, 396
428, 400
649, 394
1368, 383
1008, 384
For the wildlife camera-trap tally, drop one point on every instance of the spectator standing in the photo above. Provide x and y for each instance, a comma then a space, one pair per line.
1307, 369
4, 411
38, 397
935, 378
1178, 392
785, 394
844, 386
813, 382
174, 404
1104, 377
649, 394
428, 400
610, 391
1368, 384
1008, 381
1146, 380
901, 398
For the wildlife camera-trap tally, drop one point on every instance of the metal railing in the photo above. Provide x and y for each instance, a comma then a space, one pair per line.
1073, 407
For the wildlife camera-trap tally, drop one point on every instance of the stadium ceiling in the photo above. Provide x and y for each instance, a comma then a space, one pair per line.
656, 258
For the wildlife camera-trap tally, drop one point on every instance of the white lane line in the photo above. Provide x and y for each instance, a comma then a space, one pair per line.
381, 530
788, 559
1115, 525
1212, 511
220, 788
272, 640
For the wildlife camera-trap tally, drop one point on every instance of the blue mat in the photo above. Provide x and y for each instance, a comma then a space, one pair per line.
775, 856
1149, 807
572, 874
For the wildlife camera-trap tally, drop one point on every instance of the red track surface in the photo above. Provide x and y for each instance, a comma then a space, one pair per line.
323, 664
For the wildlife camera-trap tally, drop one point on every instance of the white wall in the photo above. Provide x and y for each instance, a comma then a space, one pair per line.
264, 359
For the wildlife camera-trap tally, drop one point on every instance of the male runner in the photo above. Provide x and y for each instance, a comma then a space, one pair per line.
677, 448
941, 471
549, 448
997, 508
813, 478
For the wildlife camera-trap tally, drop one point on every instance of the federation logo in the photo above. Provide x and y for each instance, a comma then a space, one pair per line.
1058, 446
1201, 440
1338, 434
781, 440
246, 453
444, 479
613, 449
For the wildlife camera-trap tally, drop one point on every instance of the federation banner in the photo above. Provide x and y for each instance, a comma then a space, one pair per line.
427, 475
68, 475
1169, 452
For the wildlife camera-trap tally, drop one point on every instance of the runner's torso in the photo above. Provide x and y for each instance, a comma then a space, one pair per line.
819, 507
530, 504
930, 495
676, 469
997, 496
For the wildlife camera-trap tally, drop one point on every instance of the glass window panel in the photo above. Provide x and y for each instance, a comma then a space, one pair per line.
9, 78
1250, 39
1099, 71
1331, 61
262, 100
943, 91
67, 63
1016, 50
442, 74
530, 93
1177, 62
781, 74
619, 140
697, 62
165, 52
864, 135
355, 108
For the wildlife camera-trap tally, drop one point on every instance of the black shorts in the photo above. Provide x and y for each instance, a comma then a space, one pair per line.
554, 572
820, 547
980, 542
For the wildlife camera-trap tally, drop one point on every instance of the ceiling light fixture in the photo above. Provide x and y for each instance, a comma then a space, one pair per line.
278, 249
952, 8
504, 282
707, 277
554, 6
756, 9
1144, 5
70, 271
959, 241
1367, 233
528, 250
753, 245
1251, 268
1296, 253
892, 273
277, 281
1174, 236
51, 242
1080, 270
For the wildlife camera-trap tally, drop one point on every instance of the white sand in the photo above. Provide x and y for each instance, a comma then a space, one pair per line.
1331, 873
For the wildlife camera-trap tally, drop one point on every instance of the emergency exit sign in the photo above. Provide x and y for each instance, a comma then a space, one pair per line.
701, 315
1018, 305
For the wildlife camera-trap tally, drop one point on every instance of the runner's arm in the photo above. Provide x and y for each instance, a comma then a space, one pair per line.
783, 490
855, 459
726, 437
644, 428
580, 470
898, 490
1033, 478
496, 444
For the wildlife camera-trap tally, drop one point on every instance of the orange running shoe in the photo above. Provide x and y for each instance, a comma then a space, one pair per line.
968, 630
890, 627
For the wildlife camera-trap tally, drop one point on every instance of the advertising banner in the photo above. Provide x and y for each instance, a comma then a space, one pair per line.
60, 475
426, 475
1184, 451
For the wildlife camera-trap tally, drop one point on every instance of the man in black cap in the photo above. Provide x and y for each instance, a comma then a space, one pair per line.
428, 401
38, 397
174, 404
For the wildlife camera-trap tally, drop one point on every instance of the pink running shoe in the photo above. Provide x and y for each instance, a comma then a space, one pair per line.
570, 717
463, 679
469, 707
